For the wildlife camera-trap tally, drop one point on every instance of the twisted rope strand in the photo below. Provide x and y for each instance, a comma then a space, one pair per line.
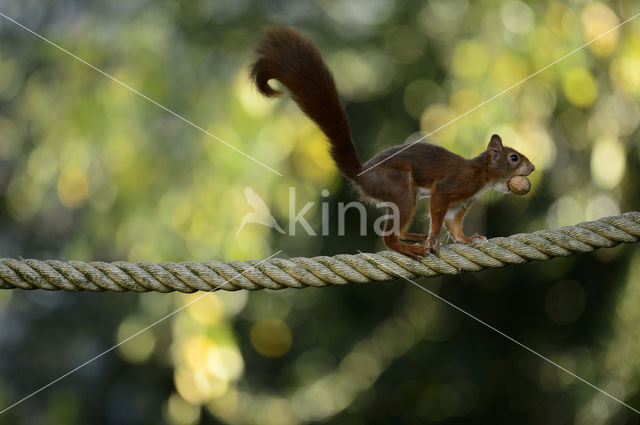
279, 273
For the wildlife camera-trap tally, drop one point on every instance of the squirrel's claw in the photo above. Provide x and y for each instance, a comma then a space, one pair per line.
415, 251
469, 240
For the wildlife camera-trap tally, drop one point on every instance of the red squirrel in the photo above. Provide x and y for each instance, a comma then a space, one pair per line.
398, 173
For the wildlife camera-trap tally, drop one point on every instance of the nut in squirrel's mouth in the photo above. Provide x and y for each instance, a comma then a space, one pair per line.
519, 184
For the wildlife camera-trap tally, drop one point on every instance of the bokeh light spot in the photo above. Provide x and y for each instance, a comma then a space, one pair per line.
470, 60
580, 87
608, 162
358, 14
517, 17
271, 337
404, 44
138, 349
509, 69
625, 71
207, 310
565, 211
180, 412
597, 19
9, 138
419, 94
601, 205
561, 19
73, 185
225, 363
435, 117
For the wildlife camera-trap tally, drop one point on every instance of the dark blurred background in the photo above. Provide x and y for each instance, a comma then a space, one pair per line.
91, 171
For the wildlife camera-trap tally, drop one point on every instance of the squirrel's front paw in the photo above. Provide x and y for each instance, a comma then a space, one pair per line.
478, 238
463, 239
433, 245
469, 240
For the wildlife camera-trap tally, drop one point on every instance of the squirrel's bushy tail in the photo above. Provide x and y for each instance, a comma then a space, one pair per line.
285, 55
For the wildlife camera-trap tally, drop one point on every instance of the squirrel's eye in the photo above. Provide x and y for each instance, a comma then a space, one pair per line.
513, 157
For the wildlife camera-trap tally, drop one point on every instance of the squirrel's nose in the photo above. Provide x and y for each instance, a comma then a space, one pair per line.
533, 168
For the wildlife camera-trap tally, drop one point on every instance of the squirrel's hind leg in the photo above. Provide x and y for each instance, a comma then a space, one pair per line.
404, 197
413, 237
392, 237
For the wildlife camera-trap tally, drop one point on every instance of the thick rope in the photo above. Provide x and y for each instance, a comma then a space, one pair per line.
278, 273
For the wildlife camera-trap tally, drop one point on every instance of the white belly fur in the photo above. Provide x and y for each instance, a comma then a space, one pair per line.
453, 209
423, 192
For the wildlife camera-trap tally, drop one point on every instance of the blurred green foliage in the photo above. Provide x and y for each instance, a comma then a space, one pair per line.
91, 171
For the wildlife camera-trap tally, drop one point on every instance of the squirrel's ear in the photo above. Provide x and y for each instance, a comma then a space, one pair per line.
495, 143
495, 146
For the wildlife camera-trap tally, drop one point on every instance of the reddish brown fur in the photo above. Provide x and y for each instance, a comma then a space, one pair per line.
397, 172
285, 55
